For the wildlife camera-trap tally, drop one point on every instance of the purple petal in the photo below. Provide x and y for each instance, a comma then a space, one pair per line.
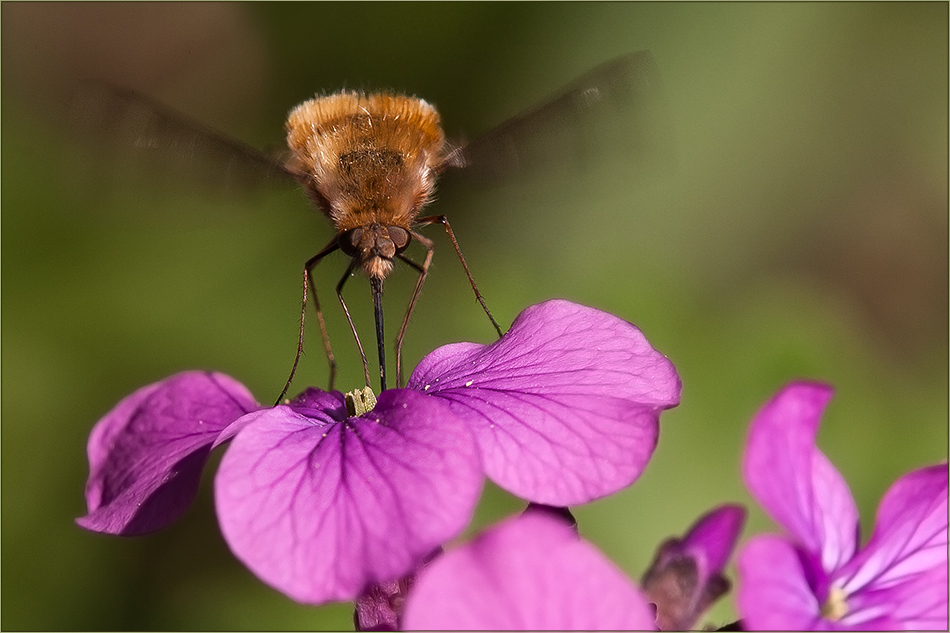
919, 602
794, 481
320, 506
713, 537
773, 593
147, 454
529, 572
565, 406
685, 577
909, 543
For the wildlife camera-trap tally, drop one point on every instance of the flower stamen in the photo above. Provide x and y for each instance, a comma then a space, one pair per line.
835, 607
360, 401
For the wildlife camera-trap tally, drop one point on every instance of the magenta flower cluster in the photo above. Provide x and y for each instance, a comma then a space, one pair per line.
320, 505
324, 505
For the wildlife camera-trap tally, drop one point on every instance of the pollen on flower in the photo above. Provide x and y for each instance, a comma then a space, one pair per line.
469, 383
835, 606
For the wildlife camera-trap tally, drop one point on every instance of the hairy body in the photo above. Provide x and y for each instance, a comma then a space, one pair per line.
370, 163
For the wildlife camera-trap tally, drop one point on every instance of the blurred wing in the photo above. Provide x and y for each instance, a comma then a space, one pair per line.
141, 134
616, 107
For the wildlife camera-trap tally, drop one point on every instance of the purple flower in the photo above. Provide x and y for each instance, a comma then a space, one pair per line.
322, 505
315, 502
685, 578
817, 577
528, 572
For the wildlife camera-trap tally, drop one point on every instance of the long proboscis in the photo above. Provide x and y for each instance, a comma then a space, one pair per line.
376, 285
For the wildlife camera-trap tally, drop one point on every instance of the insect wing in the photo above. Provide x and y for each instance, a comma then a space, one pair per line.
143, 135
617, 106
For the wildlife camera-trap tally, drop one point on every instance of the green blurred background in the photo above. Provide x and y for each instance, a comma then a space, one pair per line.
802, 233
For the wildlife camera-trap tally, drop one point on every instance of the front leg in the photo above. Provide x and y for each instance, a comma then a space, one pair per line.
441, 219
308, 282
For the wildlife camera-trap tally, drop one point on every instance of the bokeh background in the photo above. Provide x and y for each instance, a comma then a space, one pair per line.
800, 232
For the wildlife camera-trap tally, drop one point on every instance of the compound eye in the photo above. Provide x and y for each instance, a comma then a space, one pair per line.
349, 241
399, 236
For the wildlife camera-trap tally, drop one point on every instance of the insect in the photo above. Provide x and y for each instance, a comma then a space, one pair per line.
370, 163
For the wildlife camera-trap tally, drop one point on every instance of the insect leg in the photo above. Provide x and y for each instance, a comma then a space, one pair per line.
308, 281
349, 319
423, 272
441, 219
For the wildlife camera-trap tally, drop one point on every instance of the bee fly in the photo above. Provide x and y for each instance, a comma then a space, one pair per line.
370, 163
